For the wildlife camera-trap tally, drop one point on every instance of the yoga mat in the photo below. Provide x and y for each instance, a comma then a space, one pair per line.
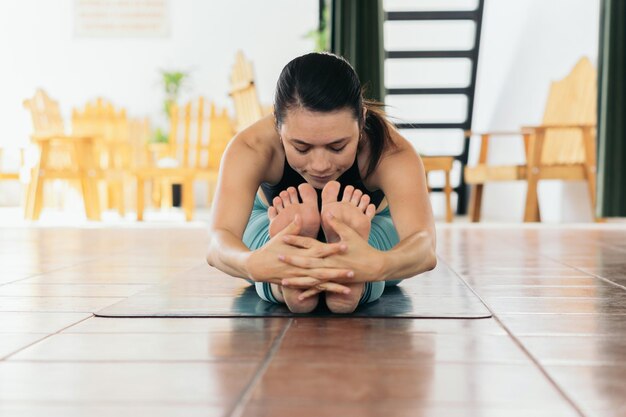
207, 292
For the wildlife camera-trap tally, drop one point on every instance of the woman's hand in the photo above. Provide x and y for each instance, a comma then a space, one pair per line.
366, 263
264, 265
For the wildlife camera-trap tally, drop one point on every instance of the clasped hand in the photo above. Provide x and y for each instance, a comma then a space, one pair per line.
306, 263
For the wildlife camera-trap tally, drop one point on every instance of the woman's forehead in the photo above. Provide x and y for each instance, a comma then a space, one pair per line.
304, 124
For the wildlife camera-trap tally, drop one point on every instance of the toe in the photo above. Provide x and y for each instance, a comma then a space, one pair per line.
364, 202
370, 211
356, 197
293, 195
307, 194
347, 193
330, 192
284, 195
271, 212
277, 202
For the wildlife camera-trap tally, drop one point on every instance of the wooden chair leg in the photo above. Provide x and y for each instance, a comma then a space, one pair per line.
31, 194
531, 211
187, 196
140, 197
448, 194
88, 168
476, 200
37, 183
38, 199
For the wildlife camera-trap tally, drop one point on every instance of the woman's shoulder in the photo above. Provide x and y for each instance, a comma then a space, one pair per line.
399, 152
262, 143
260, 136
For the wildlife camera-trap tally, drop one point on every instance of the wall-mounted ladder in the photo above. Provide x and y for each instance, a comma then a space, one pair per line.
461, 125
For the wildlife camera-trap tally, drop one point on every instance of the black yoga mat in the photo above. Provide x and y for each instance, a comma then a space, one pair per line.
207, 292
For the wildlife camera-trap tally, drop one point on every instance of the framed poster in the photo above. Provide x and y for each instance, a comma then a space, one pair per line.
121, 18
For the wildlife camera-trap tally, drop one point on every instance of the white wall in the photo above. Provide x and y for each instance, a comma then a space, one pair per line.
525, 45
38, 49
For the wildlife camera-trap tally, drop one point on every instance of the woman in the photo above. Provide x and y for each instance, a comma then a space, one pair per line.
307, 199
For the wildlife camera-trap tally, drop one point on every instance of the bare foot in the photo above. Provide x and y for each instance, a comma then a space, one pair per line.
355, 210
283, 211
285, 207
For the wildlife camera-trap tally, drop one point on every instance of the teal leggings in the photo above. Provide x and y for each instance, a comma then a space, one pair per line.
383, 236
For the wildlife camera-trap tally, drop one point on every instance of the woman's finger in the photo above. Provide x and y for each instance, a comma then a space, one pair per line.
329, 249
300, 282
309, 293
299, 241
326, 286
316, 268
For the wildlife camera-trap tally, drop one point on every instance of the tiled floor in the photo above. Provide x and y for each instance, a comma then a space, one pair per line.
555, 347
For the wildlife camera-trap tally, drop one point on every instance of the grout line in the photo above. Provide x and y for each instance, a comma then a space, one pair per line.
44, 338
607, 280
518, 342
244, 398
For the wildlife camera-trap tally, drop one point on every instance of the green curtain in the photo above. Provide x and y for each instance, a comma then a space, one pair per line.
612, 110
357, 35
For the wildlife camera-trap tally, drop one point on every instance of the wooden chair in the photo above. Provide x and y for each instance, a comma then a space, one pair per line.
248, 108
100, 119
61, 157
441, 163
198, 138
562, 147
10, 175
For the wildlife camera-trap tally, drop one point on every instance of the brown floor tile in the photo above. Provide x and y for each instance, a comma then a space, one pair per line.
33, 322
364, 346
424, 383
396, 409
593, 387
12, 342
577, 350
207, 383
149, 347
56, 304
76, 290
107, 410
564, 324
616, 305
495, 280
179, 325
434, 326
564, 291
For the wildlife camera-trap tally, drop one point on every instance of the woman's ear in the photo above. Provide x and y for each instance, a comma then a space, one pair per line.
364, 113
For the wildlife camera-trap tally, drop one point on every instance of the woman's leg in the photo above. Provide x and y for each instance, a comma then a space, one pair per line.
257, 234
383, 236
262, 226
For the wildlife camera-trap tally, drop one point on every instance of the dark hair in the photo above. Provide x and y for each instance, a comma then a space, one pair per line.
324, 82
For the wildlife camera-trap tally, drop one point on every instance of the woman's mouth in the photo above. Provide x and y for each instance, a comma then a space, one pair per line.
321, 179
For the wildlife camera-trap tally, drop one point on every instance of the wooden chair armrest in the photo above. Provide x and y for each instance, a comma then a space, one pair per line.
469, 133
39, 137
533, 129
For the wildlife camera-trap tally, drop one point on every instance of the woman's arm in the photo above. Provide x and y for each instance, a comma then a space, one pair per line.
246, 163
242, 169
401, 176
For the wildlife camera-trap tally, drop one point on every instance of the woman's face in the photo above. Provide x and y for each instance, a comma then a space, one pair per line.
320, 146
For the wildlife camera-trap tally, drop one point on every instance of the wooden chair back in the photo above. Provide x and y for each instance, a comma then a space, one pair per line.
199, 134
571, 101
248, 108
101, 120
48, 124
45, 114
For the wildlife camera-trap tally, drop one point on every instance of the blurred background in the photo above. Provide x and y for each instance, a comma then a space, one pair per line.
126, 78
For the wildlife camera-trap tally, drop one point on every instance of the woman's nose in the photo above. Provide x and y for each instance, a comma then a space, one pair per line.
320, 164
